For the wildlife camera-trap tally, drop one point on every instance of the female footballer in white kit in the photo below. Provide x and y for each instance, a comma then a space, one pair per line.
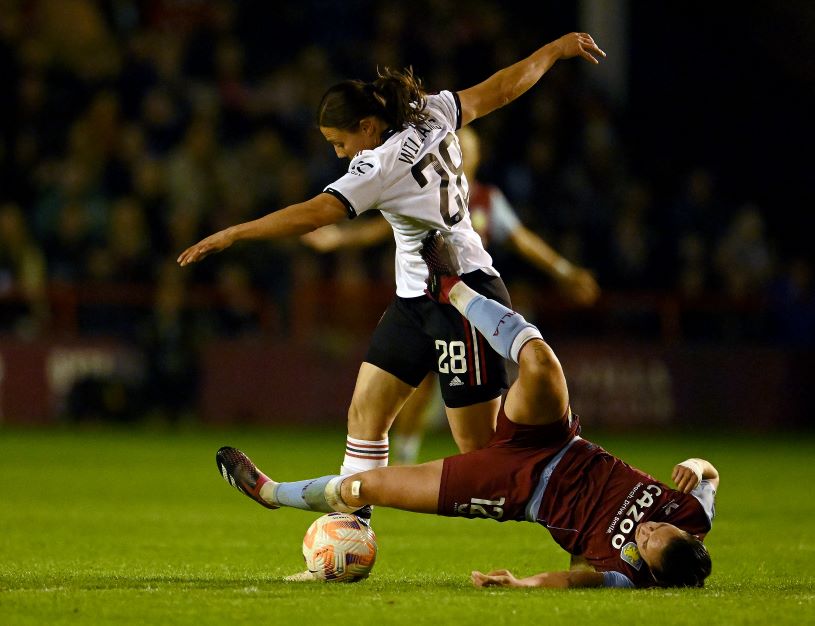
406, 163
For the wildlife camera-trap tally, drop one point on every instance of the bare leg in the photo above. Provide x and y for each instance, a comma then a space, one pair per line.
539, 395
378, 397
407, 487
473, 426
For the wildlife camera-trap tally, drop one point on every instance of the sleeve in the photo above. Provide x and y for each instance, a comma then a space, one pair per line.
361, 187
706, 494
445, 106
616, 579
503, 219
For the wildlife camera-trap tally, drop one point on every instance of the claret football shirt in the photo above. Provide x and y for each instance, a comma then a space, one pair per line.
593, 502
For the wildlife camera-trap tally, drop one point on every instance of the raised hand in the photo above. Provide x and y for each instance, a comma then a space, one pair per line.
579, 44
687, 475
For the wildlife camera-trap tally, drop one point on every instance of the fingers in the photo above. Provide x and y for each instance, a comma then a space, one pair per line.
685, 478
187, 257
497, 578
581, 287
689, 473
500, 572
584, 52
486, 580
205, 247
587, 46
192, 255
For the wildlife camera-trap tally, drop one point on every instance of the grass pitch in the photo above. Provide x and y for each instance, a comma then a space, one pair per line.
137, 527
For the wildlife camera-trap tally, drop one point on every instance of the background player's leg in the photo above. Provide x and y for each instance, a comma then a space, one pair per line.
412, 422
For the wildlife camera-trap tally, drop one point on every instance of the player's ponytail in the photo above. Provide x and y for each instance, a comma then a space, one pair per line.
403, 96
396, 97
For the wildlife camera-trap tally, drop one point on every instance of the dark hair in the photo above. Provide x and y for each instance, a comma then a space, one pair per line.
396, 97
685, 563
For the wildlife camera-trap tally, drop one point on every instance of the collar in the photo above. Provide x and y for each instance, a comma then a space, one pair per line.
387, 134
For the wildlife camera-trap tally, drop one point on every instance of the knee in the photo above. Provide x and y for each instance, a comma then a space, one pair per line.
355, 416
363, 488
365, 425
539, 360
539, 363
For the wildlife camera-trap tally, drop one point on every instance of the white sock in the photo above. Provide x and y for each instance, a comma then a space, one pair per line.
461, 294
362, 455
406, 448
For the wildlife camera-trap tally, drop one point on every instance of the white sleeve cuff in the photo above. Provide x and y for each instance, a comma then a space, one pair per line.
527, 334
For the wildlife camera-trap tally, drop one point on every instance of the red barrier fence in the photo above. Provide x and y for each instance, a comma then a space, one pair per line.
276, 382
627, 359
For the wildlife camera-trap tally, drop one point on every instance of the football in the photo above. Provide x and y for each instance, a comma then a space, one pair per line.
338, 547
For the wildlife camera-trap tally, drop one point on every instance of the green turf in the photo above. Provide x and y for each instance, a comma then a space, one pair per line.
123, 527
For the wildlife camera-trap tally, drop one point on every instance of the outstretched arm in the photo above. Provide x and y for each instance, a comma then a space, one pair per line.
552, 580
296, 219
356, 234
509, 83
577, 282
689, 473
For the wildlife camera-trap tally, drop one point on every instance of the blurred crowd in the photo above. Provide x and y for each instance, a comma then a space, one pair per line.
131, 128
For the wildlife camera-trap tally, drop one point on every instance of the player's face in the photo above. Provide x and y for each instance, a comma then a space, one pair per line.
652, 538
347, 143
470, 151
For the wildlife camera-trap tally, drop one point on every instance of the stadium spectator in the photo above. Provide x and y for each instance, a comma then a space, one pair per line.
631, 260
67, 247
122, 257
95, 90
743, 256
170, 339
622, 527
192, 169
406, 162
236, 309
696, 208
792, 304
128, 243
22, 276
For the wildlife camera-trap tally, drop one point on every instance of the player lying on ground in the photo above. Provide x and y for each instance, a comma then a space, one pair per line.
632, 530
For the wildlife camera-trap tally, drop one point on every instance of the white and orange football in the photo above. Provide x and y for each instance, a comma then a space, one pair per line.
338, 547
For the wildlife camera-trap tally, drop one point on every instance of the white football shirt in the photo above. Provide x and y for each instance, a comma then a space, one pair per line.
415, 179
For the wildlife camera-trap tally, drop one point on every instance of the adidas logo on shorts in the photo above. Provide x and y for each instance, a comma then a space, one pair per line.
456, 382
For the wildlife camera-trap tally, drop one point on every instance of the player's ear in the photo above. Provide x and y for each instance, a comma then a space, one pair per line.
367, 126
